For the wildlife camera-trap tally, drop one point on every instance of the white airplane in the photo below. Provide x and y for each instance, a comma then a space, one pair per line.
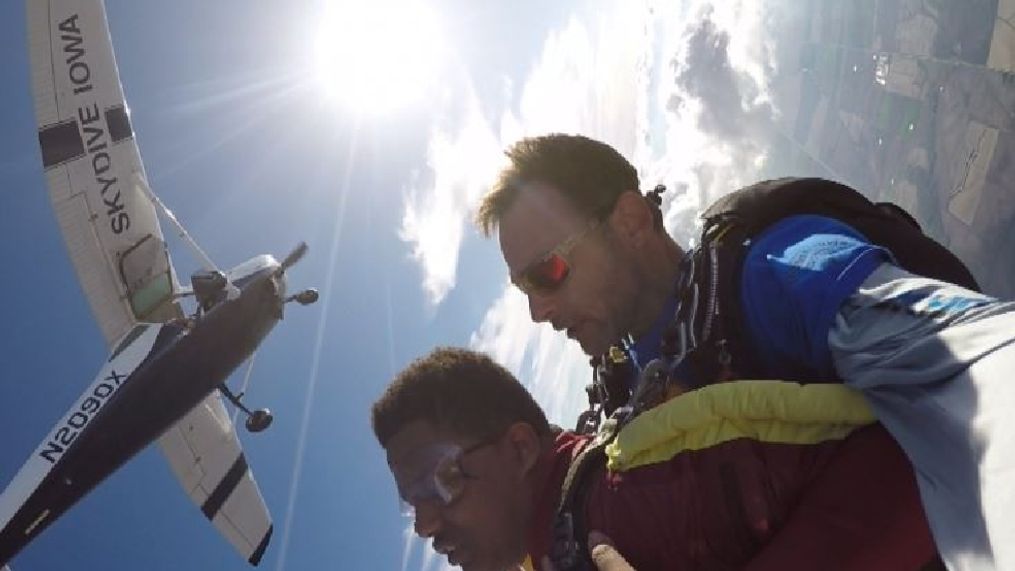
166, 371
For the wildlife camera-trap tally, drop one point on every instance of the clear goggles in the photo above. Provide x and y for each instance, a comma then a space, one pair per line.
441, 477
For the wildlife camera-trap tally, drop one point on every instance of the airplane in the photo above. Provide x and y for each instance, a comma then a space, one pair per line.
165, 376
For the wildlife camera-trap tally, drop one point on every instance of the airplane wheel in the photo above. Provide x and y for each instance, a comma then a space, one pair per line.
307, 296
259, 420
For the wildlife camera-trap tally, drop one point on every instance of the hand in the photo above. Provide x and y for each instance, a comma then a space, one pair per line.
604, 555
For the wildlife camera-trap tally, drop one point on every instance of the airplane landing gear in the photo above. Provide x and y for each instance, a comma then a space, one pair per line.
257, 420
305, 297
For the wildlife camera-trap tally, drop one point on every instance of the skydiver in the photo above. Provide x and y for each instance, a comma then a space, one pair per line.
809, 294
481, 471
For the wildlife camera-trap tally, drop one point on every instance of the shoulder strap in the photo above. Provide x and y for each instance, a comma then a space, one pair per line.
758, 206
569, 552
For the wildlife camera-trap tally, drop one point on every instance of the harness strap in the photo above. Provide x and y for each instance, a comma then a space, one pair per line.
569, 552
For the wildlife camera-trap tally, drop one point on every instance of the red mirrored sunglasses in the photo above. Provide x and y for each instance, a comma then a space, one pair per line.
548, 273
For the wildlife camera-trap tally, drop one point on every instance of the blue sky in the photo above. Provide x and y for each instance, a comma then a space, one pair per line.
247, 148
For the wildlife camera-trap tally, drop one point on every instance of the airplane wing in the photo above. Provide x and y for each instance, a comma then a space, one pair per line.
110, 227
91, 161
205, 455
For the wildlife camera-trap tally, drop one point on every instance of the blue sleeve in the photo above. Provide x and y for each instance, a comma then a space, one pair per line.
795, 276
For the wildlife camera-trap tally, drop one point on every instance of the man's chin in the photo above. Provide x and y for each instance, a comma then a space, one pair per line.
593, 346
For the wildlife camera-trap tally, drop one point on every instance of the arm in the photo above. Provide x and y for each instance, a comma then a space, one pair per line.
933, 359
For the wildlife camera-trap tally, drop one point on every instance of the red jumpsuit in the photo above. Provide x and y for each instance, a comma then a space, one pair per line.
744, 504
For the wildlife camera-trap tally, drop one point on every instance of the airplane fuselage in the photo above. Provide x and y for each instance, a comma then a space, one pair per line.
122, 414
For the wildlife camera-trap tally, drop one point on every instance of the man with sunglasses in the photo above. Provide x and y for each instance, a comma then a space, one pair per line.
806, 297
481, 470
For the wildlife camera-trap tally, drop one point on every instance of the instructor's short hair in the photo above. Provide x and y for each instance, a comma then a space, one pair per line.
590, 174
460, 390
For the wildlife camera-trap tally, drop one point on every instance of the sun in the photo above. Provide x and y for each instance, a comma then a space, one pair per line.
376, 56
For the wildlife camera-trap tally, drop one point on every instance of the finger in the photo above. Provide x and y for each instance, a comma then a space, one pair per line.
607, 558
547, 565
605, 555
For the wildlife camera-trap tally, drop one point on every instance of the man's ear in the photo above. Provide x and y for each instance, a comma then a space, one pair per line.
526, 445
631, 219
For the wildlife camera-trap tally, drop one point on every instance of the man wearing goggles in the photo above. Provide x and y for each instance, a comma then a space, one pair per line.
825, 295
480, 470
461, 436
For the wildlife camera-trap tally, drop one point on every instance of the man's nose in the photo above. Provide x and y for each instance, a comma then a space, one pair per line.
541, 308
428, 520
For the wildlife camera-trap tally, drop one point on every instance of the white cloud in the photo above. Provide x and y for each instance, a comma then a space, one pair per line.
586, 80
714, 103
463, 164
545, 361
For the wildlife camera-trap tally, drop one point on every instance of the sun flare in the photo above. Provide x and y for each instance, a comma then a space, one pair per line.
375, 56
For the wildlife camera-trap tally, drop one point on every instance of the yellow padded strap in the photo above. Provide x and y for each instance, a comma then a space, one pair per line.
766, 411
